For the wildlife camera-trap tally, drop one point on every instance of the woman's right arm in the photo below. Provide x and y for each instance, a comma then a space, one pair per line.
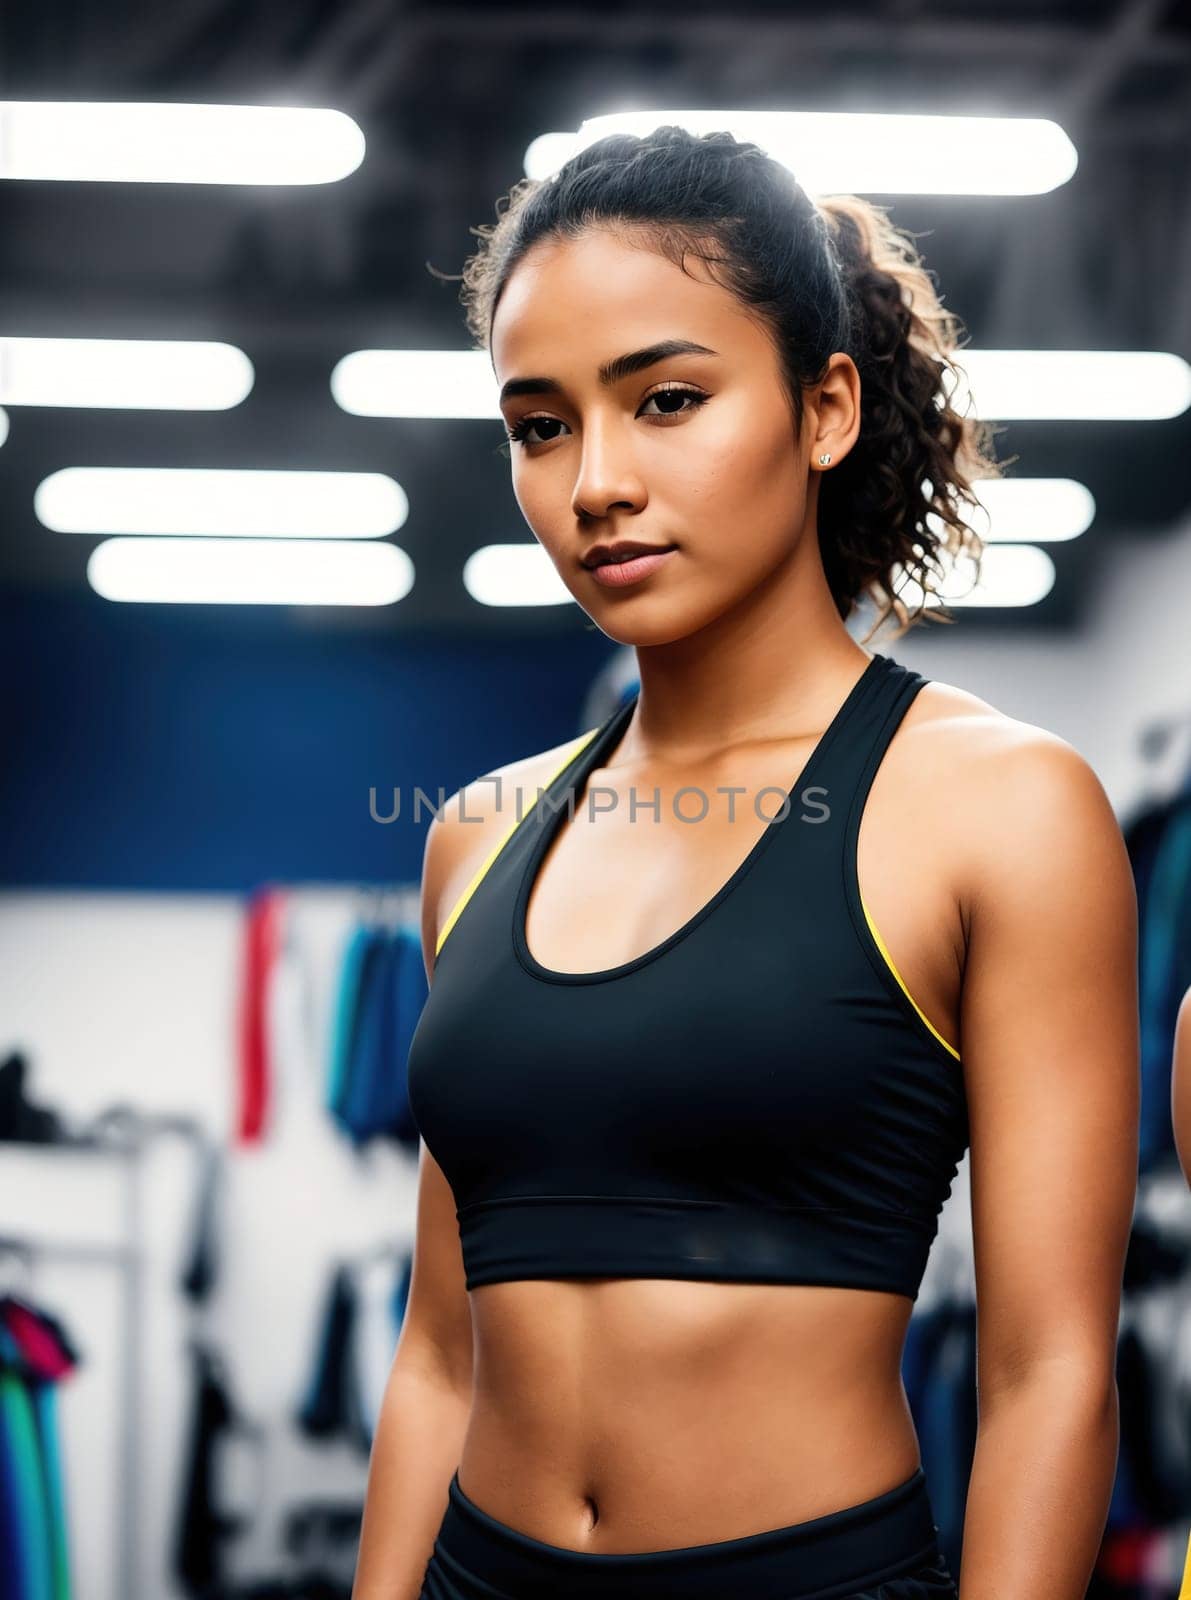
423, 1416
427, 1399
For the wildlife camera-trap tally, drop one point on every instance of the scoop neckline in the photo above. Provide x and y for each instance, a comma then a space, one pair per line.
587, 759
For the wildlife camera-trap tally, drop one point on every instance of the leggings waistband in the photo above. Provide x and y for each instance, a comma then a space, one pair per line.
829, 1556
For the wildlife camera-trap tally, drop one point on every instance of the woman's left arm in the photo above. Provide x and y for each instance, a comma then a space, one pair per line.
1049, 1029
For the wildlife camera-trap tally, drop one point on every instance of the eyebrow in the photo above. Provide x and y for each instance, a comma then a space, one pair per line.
612, 372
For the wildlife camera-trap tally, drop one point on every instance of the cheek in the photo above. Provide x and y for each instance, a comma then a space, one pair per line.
744, 476
537, 503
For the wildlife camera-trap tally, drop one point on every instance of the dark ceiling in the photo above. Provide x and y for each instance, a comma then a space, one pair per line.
449, 98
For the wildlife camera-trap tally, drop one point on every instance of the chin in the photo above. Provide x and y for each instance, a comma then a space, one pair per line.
648, 625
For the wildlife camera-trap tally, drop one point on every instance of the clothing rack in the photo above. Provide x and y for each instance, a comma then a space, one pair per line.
124, 1134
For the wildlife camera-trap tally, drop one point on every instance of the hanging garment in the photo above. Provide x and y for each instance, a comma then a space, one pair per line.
198, 1277
45, 1349
261, 942
202, 1529
45, 1410
388, 979
28, 1557
347, 997
35, 1355
331, 1406
361, 1107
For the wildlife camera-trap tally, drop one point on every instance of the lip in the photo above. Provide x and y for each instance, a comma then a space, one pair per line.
620, 574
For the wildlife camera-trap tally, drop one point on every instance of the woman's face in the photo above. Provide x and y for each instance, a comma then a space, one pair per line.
697, 452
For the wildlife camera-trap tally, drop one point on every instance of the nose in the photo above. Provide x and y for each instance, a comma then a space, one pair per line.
608, 477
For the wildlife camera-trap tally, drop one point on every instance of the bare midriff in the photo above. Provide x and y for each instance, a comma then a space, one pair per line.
617, 1415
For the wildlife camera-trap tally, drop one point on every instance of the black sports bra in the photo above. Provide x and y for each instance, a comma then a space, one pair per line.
757, 1099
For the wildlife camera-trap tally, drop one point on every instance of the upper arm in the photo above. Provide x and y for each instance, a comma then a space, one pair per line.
436, 1331
1051, 1058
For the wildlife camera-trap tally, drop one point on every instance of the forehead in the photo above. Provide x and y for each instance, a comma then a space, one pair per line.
581, 300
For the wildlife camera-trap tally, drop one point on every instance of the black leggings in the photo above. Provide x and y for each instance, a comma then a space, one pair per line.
883, 1549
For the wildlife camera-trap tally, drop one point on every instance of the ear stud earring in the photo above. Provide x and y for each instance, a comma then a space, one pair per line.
824, 461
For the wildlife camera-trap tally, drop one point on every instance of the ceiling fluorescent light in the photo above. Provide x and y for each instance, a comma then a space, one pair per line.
416, 383
1040, 510
138, 374
514, 575
130, 142
843, 152
1070, 385
523, 575
994, 384
231, 503
1101, 385
256, 572
1010, 575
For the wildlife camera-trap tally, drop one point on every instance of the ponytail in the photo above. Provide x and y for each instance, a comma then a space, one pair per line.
914, 455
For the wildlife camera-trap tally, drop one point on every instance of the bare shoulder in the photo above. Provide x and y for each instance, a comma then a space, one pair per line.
476, 818
1007, 794
502, 795
960, 727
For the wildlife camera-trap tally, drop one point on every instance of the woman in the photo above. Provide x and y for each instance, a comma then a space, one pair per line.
692, 1096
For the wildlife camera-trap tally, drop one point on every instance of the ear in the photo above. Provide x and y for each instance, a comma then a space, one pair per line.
833, 414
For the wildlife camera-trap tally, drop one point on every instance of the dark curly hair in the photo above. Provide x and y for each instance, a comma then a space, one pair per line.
836, 276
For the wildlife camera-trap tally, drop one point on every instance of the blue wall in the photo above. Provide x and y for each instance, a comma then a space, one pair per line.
162, 747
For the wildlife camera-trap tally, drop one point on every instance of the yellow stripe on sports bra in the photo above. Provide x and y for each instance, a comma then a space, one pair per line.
580, 744
902, 982
1185, 1586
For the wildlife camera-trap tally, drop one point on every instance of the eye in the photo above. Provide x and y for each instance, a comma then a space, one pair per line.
519, 432
676, 391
